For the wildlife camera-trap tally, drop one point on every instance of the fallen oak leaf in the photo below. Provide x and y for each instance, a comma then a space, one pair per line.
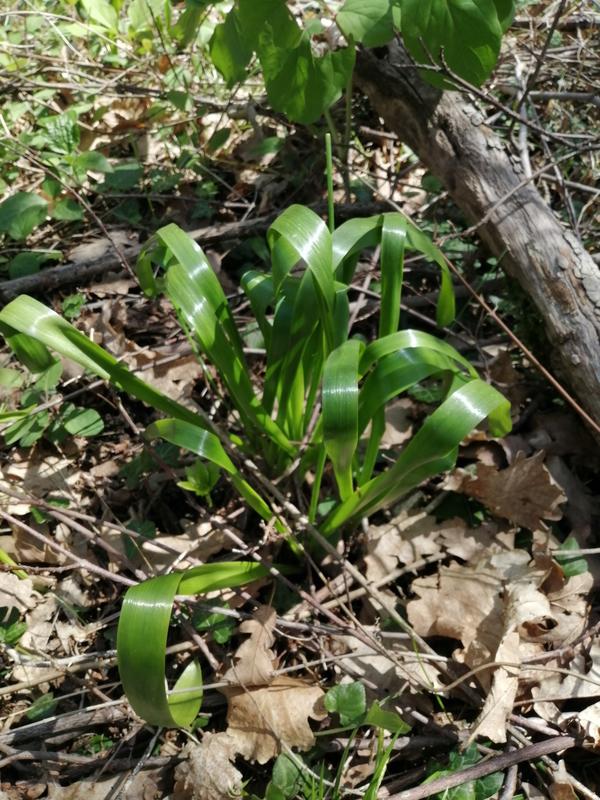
208, 773
264, 713
524, 493
262, 719
254, 660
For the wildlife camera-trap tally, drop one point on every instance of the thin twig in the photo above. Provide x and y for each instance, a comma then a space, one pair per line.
487, 767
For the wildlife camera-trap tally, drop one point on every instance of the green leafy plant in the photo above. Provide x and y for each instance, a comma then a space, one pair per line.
480, 789
57, 423
463, 36
323, 389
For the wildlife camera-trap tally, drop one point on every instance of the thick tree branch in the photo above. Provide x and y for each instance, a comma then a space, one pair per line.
449, 135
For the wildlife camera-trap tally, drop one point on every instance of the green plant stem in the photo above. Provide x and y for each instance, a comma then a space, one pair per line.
347, 133
329, 163
316, 487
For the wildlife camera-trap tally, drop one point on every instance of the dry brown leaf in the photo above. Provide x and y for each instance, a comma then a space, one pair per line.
199, 541
253, 660
586, 722
491, 722
583, 680
524, 493
524, 605
46, 634
264, 713
26, 549
208, 772
398, 423
50, 475
145, 785
389, 674
532, 792
16, 593
480, 602
561, 787
261, 719
404, 540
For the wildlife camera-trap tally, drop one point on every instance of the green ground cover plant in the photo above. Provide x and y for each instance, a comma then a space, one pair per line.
320, 403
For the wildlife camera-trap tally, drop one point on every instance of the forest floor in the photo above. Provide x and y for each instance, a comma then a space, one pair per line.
493, 566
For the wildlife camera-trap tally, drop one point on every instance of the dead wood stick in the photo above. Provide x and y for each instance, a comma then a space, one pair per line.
450, 136
483, 768
70, 722
571, 23
80, 272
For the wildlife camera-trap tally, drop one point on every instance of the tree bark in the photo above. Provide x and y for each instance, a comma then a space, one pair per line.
450, 137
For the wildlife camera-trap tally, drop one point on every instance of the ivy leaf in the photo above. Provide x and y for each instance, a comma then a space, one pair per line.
349, 701
21, 213
298, 84
571, 565
367, 21
229, 49
92, 161
465, 34
28, 262
67, 210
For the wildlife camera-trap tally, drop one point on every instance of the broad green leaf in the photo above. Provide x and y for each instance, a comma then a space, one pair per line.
506, 12
124, 175
68, 210
571, 565
72, 304
185, 29
190, 437
396, 373
229, 49
102, 12
81, 421
257, 16
29, 262
193, 287
62, 133
33, 354
21, 214
393, 240
10, 378
43, 707
357, 234
142, 13
432, 450
207, 445
142, 640
49, 378
466, 33
388, 720
349, 701
218, 139
28, 430
286, 779
258, 288
298, 83
299, 234
92, 161
340, 411
407, 340
367, 21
